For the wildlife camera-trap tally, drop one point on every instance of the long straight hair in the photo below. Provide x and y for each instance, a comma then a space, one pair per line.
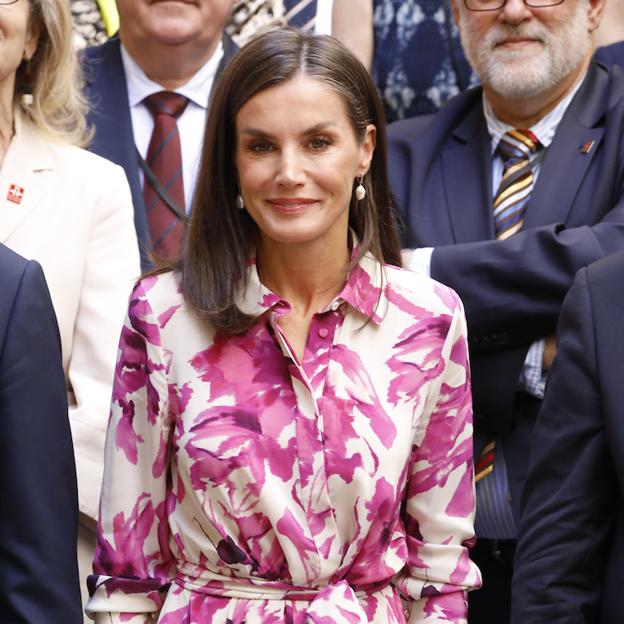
221, 238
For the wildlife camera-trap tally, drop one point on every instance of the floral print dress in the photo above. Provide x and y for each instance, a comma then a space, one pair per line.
243, 486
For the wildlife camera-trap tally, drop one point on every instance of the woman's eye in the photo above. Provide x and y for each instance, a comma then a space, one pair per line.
260, 146
318, 143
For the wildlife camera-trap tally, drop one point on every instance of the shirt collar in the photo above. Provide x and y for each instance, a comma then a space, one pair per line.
544, 129
363, 290
197, 89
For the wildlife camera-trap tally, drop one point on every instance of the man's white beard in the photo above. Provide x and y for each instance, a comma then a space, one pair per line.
534, 70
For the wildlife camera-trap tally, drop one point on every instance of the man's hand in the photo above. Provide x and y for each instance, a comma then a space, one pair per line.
550, 351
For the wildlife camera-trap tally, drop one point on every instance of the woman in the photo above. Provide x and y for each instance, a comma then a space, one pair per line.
71, 211
290, 438
412, 48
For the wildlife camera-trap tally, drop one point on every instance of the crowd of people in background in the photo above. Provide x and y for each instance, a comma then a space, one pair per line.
369, 365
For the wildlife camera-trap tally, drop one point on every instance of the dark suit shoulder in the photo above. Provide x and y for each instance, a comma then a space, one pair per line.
12, 267
103, 51
439, 125
17, 274
612, 54
603, 280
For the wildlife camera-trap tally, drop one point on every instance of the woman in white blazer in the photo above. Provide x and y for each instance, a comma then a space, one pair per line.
71, 210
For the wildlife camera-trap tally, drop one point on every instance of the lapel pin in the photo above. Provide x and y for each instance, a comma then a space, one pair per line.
587, 146
15, 194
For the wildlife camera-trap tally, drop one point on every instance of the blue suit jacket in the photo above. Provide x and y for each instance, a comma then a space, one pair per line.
38, 496
440, 171
107, 93
570, 558
612, 54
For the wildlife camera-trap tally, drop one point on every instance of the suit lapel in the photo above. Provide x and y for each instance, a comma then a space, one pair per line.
110, 115
466, 163
22, 177
568, 157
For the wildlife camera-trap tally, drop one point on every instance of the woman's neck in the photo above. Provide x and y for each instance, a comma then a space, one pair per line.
7, 127
304, 275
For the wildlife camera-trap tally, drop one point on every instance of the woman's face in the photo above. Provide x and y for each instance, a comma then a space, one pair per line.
18, 40
297, 156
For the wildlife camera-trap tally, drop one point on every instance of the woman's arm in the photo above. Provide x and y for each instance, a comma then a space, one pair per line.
440, 503
352, 23
132, 562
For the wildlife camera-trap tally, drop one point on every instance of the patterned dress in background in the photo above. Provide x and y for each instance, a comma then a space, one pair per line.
253, 17
88, 25
418, 61
244, 486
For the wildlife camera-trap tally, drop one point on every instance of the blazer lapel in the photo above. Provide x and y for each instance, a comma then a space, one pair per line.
568, 157
467, 165
22, 179
110, 116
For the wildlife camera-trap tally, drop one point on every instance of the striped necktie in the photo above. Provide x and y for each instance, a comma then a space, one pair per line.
494, 518
516, 148
301, 14
164, 158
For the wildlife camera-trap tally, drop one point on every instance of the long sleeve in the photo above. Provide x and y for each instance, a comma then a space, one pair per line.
111, 266
132, 561
528, 276
568, 502
440, 503
38, 498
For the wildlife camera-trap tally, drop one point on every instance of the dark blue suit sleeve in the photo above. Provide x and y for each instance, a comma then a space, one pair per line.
38, 497
568, 501
516, 286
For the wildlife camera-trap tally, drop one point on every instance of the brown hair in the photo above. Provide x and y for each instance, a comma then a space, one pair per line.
221, 238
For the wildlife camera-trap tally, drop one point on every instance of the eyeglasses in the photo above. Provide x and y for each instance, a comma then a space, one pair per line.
497, 5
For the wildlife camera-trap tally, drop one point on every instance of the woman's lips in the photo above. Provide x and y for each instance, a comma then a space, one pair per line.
291, 204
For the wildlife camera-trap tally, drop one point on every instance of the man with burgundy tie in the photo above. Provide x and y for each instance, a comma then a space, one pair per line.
505, 194
149, 88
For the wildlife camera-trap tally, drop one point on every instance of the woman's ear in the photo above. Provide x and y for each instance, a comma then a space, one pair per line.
32, 38
367, 148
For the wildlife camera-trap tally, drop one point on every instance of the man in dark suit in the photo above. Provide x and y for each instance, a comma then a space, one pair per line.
570, 557
38, 494
506, 193
176, 48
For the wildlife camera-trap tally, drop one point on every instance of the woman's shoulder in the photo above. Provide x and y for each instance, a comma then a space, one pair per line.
82, 160
159, 290
158, 311
421, 290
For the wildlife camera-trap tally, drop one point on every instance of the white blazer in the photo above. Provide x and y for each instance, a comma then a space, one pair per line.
71, 211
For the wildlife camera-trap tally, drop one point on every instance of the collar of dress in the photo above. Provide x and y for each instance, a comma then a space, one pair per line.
364, 290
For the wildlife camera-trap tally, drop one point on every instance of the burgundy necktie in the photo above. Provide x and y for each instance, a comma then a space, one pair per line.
164, 158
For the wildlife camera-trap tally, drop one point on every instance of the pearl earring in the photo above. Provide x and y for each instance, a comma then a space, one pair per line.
240, 204
360, 191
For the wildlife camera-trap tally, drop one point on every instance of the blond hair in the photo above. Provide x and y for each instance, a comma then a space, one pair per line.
53, 76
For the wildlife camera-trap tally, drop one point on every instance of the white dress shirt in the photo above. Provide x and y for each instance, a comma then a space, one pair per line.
190, 124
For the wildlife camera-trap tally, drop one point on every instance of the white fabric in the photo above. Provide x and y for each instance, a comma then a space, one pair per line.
323, 23
420, 261
190, 124
76, 219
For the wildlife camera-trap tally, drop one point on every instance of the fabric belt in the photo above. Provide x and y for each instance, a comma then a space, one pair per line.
339, 600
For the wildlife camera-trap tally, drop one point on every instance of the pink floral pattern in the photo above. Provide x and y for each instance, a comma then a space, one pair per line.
244, 486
